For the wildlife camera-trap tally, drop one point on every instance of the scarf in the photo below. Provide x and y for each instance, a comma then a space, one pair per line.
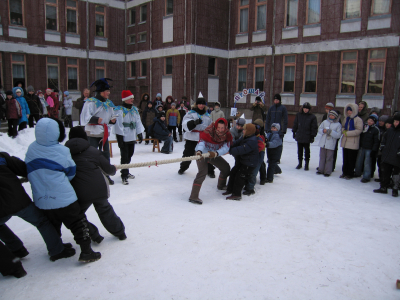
50, 101
351, 121
211, 135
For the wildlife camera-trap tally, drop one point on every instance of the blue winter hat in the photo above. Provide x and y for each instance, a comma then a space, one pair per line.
348, 108
158, 95
102, 84
374, 118
66, 93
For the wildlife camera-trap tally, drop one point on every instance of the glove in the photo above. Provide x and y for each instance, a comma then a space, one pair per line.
254, 104
140, 137
198, 121
294, 135
213, 154
312, 140
328, 131
345, 132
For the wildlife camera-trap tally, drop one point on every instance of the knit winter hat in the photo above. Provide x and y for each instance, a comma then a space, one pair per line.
307, 105
396, 117
374, 118
389, 121
276, 125
383, 118
158, 95
349, 108
259, 122
158, 106
30, 89
150, 102
39, 92
9, 93
217, 104
173, 104
329, 105
200, 99
250, 129
126, 95
161, 114
77, 132
334, 113
18, 91
241, 122
66, 93
376, 110
101, 85
277, 96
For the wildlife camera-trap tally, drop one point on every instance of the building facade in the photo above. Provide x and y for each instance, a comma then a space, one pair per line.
315, 51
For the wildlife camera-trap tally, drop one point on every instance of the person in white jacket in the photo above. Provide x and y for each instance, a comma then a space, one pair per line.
217, 112
331, 131
68, 110
127, 127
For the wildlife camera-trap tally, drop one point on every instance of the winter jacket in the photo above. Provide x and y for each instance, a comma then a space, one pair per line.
35, 106
78, 104
182, 111
68, 105
93, 109
364, 112
44, 104
167, 104
235, 133
192, 131
50, 168
160, 129
216, 114
157, 102
273, 140
333, 133
351, 139
148, 116
391, 147
277, 113
89, 182
370, 138
259, 112
305, 127
143, 103
13, 197
128, 123
24, 106
173, 118
246, 149
13, 109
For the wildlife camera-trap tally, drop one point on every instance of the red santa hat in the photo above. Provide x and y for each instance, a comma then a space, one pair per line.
126, 95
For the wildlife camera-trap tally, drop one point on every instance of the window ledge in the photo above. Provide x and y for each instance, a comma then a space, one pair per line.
373, 97
75, 35
259, 36
345, 96
167, 76
213, 76
290, 32
312, 30
100, 38
131, 44
242, 38
311, 98
168, 16
17, 27
343, 99
138, 42
376, 17
131, 25
143, 22
142, 77
290, 28
312, 25
351, 20
374, 100
53, 32
131, 78
350, 25
287, 98
379, 22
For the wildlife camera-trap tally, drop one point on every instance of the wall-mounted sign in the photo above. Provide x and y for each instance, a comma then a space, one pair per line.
245, 92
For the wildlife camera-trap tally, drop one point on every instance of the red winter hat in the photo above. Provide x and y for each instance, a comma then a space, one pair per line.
126, 95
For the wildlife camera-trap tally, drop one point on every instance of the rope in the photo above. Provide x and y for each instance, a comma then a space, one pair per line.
162, 162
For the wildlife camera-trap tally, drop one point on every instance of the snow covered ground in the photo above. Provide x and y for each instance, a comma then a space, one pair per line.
303, 237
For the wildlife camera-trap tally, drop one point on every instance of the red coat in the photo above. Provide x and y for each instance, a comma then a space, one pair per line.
13, 109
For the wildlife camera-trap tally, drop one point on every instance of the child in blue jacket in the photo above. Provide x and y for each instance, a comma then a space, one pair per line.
50, 169
274, 150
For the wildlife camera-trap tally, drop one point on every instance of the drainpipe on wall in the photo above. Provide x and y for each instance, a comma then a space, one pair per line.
227, 70
184, 63
125, 46
87, 45
397, 84
151, 54
271, 88
195, 58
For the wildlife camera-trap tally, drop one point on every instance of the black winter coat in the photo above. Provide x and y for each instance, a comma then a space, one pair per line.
148, 116
391, 146
246, 150
277, 114
13, 197
160, 129
370, 140
35, 106
89, 182
305, 127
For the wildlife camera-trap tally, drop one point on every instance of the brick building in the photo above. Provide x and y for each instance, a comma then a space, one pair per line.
317, 51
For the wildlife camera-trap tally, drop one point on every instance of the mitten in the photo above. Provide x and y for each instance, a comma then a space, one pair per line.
140, 137
198, 121
328, 131
213, 154
312, 140
345, 132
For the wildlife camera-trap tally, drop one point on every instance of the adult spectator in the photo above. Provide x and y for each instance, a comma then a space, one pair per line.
363, 111
277, 113
259, 110
78, 104
35, 106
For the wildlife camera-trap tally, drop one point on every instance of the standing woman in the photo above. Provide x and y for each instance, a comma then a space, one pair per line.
305, 128
53, 104
25, 112
215, 139
352, 128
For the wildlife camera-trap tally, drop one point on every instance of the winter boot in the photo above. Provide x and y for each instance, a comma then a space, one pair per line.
211, 175
395, 193
180, 137
194, 195
98, 240
248, 193
19, 271
306, 165
221, 184
87, 254
125, 181
300, 165
67, 252
381, 190
22, 252
234, 197
122, 237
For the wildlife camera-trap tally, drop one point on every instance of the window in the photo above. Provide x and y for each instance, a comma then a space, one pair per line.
169, 7
291, 12
72, 19
242, 73
376, 71
132, 39
143, 13
100, 69
310, 73
132, 16
352, 9
243, 16
261, 21
348, 72
259, 73
168, 66
143, 68
100, 20
381, 7
52, 72
133, 69
211, 66
313, 11
72, 73
142, 37
51, 15
16, 12
18, 68
289, 69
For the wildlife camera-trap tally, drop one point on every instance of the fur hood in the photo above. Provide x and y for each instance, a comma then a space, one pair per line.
354, 108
